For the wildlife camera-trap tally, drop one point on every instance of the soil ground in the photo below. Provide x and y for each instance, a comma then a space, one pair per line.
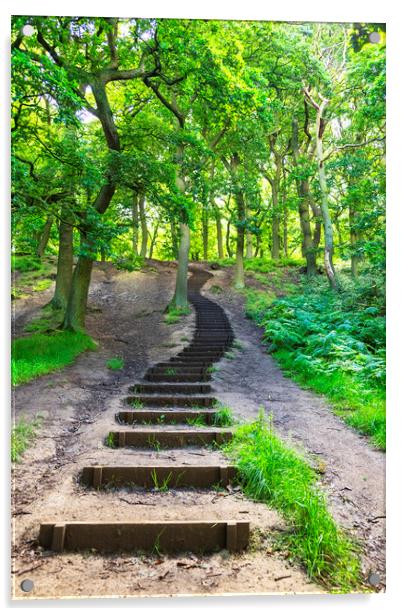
78, 406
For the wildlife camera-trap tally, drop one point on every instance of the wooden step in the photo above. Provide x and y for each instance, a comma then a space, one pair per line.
162, 439
170, 388
171, 401
166, 477
162, 536
164, 417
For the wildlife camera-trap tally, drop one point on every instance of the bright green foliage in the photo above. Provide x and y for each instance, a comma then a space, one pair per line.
22, 434
174, 315
115, 363
334, 343
40, 354
48, 320
223, 416
25, 263
272, 472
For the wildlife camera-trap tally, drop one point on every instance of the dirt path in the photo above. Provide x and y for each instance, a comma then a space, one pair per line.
353, 472
79, 406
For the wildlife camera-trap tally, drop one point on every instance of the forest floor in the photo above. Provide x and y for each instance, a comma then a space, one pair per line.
78, 404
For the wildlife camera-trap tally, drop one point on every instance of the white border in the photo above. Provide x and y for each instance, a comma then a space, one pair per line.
286, 10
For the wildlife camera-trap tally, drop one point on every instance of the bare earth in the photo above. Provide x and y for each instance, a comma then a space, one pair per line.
78, 405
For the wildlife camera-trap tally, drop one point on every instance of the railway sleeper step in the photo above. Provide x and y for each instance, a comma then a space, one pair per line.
198, 359
166, 439
166, 536
165, 417
166, 477
163, 368
198, 401
170, 388
183, 377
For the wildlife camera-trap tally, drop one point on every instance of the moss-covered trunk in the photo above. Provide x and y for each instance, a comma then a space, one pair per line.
180, 294
44, 237
64, 260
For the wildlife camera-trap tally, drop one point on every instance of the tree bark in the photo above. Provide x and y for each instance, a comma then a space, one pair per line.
276, 242
205, 233
135, 221
219, 234
144, 229
74, 318
249, 244
64, 273
44, 237
153, 240
228, 248
173, 235
180, 295
354, 240
325, 211
241, 220
308, 248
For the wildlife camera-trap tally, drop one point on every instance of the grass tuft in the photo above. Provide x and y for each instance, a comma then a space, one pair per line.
115, 363
273, 473
39, 354
22, 435
223, 416
173, 315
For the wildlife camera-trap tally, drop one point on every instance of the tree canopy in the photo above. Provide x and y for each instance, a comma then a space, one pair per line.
196, 139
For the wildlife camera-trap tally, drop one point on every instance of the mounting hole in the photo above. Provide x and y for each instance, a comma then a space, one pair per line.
374, 37
27, 585
374, 579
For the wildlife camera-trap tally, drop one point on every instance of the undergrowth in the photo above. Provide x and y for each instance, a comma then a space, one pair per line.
30, 275
333, 343
273, 473
40, 353
22, 435
115, 363
173, 315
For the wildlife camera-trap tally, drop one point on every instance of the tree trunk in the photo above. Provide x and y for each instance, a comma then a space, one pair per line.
249, 245
44, 237
153, 240
308, 248
144, 229
180, 295
135, 221
275, 246
241, 221
205, 233
228, 248
173, 235
64, 260
219, 234
354, 239
74, 318
285, 231
325, 211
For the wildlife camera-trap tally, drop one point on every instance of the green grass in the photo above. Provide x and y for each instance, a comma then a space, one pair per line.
359, 406
115, 363
26, 263
273, 473
110, 441
22, 435
223, 416
333, 343
39, 354
49, 319
137, 404
173, 315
